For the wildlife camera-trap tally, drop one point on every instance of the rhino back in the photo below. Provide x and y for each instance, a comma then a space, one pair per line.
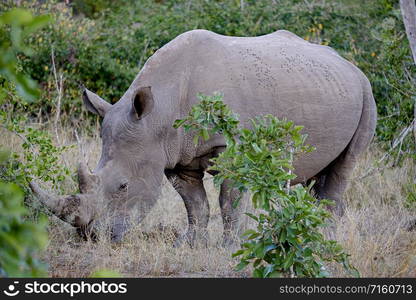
279, 74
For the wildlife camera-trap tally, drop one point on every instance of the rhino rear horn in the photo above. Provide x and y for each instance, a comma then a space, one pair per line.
86, 180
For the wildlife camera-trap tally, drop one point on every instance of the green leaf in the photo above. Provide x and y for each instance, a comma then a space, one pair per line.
258, 273
17, 16
178, 123
288, 262
237, 253
195, 139
248, 232
251, 216
36, 23
205, 134
269, 248
268, 270
256, 148
282, 236
105, 273
241, 265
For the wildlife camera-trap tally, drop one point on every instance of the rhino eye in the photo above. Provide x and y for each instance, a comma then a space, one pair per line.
123, 186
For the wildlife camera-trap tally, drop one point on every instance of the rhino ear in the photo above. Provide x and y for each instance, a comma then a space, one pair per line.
142, 102
95, 103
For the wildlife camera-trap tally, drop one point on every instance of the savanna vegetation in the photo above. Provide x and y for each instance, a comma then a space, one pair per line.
46, 60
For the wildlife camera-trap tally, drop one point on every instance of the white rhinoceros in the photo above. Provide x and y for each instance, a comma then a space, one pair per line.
278, 73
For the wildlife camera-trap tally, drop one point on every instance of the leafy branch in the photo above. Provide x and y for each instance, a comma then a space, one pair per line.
287, 241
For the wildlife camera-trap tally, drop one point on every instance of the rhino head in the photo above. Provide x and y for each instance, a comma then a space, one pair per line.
125, 184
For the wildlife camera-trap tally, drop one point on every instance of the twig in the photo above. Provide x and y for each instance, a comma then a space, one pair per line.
59, 88
80, 147
389, 116
143, 54
395, 87
402, 135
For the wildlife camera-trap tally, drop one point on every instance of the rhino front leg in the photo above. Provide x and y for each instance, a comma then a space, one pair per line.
189, 185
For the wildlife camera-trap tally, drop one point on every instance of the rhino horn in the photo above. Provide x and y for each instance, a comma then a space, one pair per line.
86, 180
64, 207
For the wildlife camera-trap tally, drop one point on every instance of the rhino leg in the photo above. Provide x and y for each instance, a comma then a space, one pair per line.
337, 174
189, 185
230, 215
333, 181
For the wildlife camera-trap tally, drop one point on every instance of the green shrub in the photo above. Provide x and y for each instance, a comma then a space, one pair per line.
20, 238
409, 190
40, 156
287, 241
19, 23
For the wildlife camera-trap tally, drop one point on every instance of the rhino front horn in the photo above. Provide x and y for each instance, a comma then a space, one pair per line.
64, 207
86, 180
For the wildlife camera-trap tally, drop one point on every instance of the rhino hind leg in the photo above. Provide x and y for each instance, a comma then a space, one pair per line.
189, 185
333, 180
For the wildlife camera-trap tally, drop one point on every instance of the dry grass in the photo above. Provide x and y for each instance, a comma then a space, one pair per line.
372, 230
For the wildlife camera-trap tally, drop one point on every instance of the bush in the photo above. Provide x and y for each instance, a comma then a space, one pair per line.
20, 238
39, 154
39, 157
19, 23
287, 241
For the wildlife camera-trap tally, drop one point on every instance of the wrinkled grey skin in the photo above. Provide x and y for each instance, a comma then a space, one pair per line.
279, 74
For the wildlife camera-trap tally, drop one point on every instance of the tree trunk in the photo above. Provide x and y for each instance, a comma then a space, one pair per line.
408, 9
